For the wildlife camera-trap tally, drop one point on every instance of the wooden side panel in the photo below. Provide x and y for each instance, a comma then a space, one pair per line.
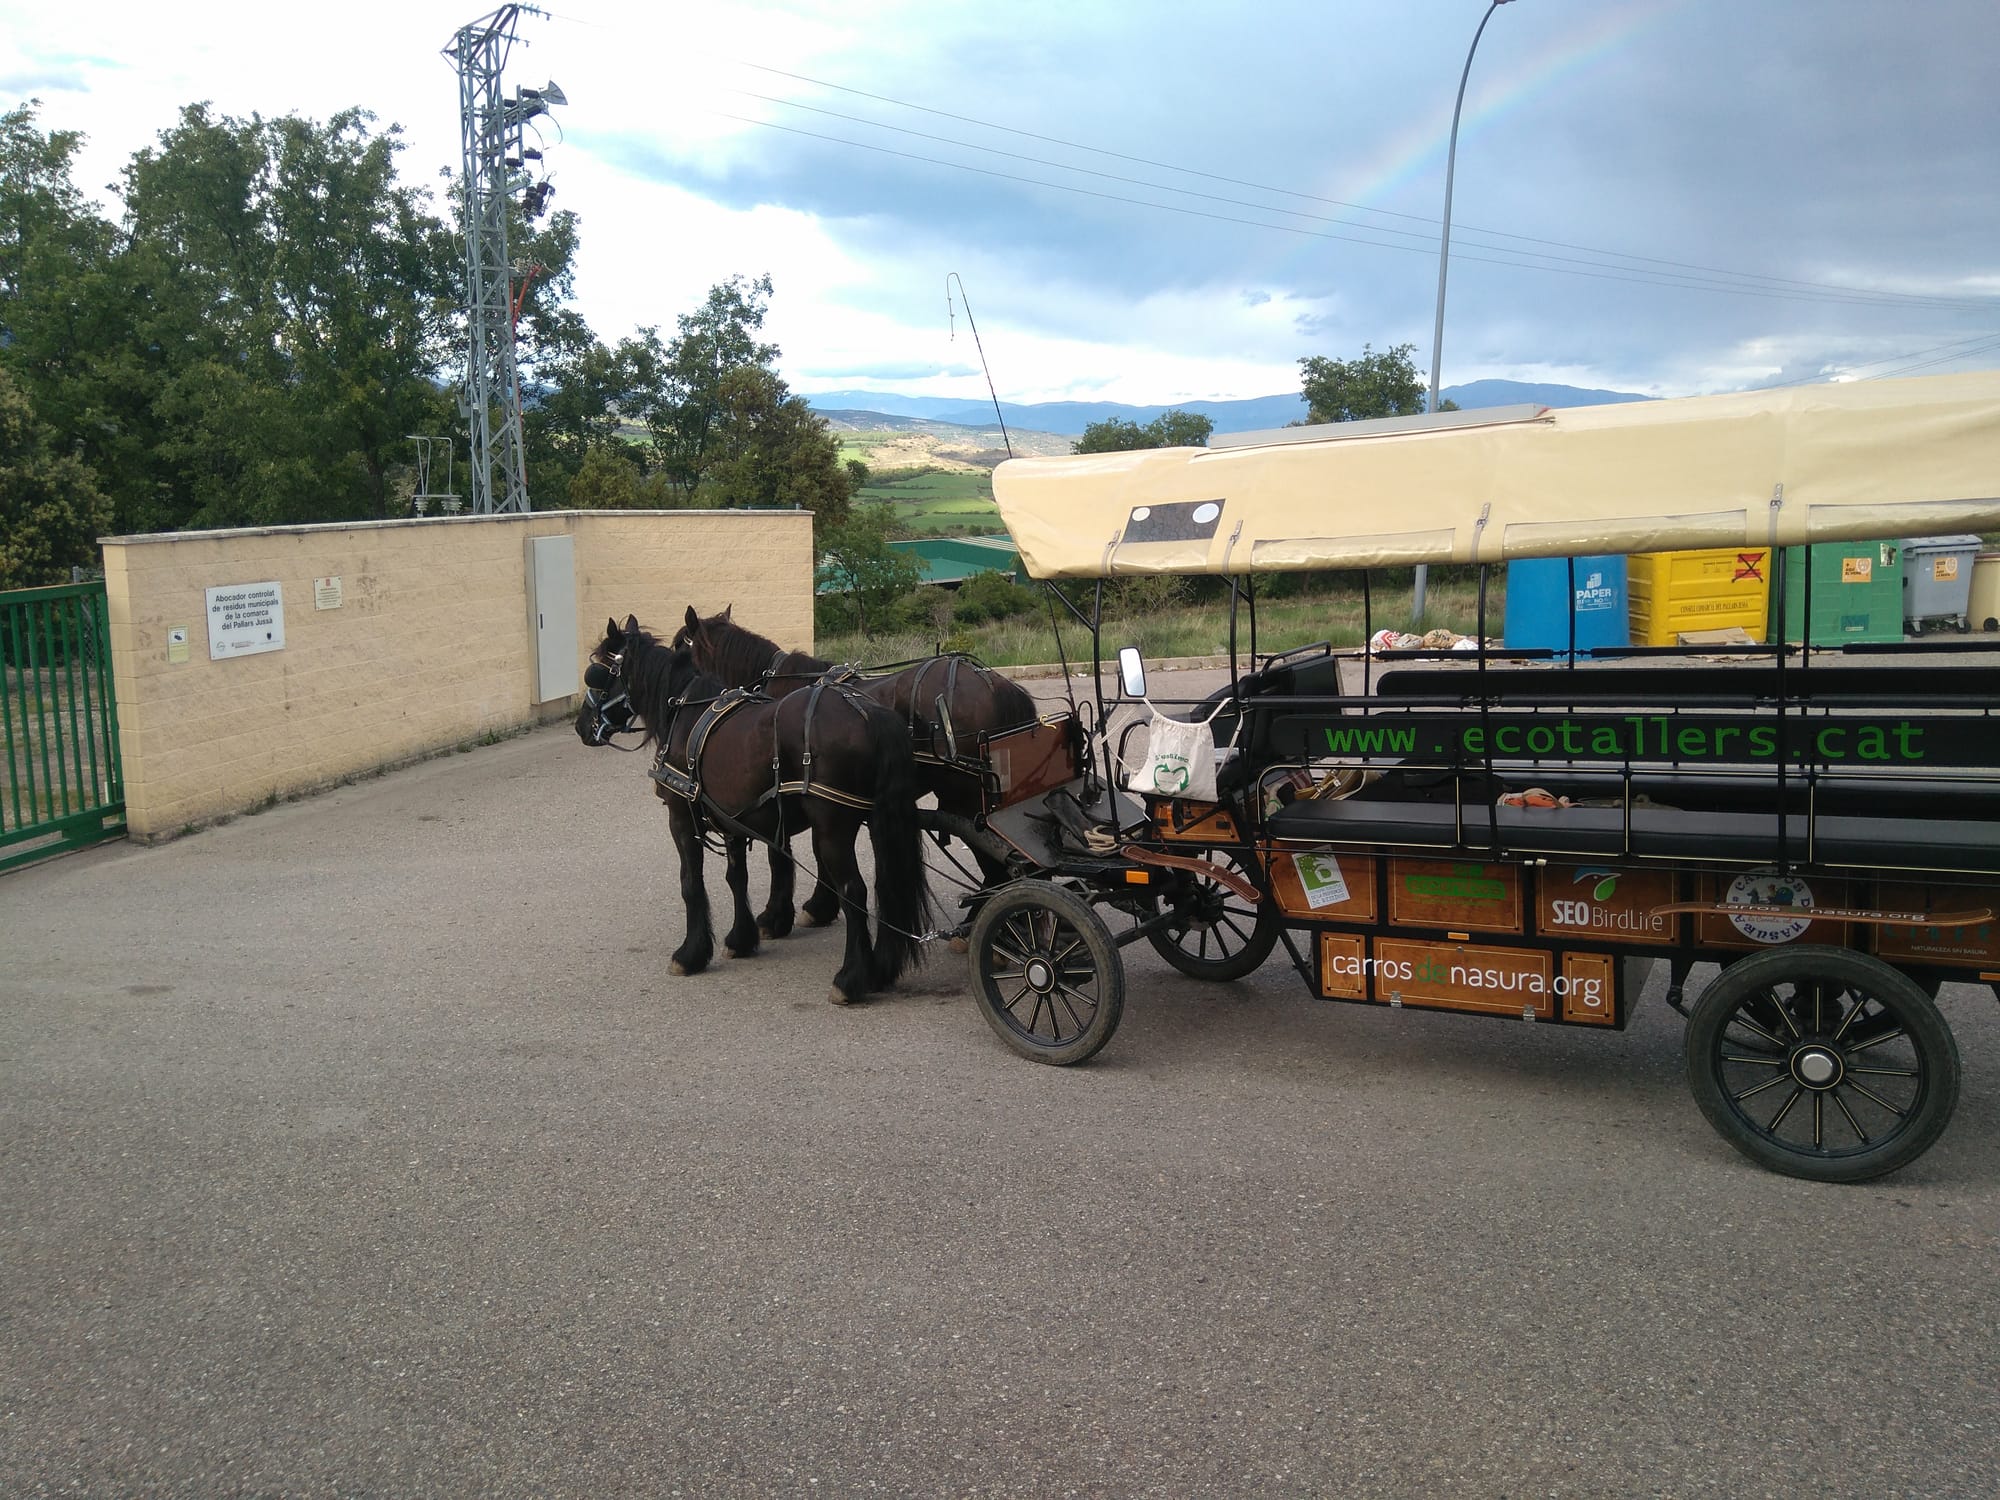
1973, 947
1610, 905
1719, 930
1448, 893
1325, 886
1194, 823
1343, 967
1031, 760
1459, 976
1590, 988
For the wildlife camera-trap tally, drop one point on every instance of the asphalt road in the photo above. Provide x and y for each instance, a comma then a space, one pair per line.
366, 1147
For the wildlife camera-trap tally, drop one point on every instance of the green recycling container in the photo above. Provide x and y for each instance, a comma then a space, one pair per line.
1857, 592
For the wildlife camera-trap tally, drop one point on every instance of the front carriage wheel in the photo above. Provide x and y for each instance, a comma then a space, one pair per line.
1045, 972
1821, 1063
1217, 934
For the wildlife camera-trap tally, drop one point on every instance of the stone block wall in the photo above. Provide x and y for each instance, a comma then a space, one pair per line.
431, 644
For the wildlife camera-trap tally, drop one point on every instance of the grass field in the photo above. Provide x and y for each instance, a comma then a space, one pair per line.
927, 501
1163, 630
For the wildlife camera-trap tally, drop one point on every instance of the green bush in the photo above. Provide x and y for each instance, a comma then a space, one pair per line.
919, 611
993, 596
1144, 596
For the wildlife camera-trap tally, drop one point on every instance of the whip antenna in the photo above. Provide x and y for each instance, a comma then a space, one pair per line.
950, 277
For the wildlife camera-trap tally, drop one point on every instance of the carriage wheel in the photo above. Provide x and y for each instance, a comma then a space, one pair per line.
1046, 973
1219, 935
1821, 1063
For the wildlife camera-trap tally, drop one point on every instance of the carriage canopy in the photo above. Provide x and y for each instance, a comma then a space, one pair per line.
1822, 463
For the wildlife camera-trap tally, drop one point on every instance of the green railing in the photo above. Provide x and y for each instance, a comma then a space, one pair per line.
58, 723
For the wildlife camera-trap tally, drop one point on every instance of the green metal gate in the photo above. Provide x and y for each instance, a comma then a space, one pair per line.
58, 723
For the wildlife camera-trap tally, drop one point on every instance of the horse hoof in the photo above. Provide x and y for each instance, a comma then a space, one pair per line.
731, 952
675, 966
807, 919
959, 945
839, 996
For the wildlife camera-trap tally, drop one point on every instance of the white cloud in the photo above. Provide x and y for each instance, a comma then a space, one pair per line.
1586, 125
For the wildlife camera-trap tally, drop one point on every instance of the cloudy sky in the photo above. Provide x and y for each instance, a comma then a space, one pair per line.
1161, 201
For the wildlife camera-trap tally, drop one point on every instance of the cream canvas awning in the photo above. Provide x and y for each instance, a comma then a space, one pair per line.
1864, 460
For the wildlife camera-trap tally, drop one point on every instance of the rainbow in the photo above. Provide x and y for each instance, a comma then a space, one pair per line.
1418, 150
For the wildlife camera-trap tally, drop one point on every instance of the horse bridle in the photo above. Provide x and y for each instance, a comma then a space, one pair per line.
599, 678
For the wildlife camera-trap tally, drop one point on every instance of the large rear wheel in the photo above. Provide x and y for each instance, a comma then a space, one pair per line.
1045, 972
1216, 934
1822, 1063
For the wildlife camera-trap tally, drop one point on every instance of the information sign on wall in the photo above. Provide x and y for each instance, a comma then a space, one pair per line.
245, 618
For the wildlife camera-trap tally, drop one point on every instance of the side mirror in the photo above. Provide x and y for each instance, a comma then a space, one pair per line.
1131, 671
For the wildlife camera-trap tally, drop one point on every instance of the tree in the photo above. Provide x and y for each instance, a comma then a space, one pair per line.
575, 389
58, 313
1371, 385
606, 481
718, 337
582, 402
857, 558
773, 451
1171, 429
293, 305
1181, 429
51, 511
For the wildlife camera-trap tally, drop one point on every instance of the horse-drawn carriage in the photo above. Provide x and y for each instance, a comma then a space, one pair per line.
1524, 835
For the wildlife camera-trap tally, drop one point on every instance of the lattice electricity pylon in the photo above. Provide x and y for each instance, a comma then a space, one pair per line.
490, 125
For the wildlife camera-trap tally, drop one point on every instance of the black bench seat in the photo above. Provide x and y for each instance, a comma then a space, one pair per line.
1888, 842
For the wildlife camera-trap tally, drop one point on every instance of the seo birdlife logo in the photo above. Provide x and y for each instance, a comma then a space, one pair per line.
1595, 908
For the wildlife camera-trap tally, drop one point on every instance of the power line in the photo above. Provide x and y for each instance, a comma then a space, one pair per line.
1992, 341
1914, 299
1641, 278
1426, 242
1958, 344
1681, 274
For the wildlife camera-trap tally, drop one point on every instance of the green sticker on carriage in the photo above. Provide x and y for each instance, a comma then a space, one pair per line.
1465, 883
1321, 879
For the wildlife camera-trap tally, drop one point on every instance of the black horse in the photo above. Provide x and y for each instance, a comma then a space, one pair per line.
976, 701
757, 768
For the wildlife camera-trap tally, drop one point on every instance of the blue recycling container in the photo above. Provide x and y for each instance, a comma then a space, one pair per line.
1540, 605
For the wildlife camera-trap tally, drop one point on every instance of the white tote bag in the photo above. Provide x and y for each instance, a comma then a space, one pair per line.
1180, 758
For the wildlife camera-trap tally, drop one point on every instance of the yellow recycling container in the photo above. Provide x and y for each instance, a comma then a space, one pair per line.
1983, 613
1713, 589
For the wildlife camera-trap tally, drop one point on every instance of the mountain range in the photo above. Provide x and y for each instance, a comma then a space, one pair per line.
1069, 418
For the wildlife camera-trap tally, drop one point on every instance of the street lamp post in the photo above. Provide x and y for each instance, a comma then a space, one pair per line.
1444, 258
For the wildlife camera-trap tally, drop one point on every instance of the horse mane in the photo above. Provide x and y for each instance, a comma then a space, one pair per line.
742, 655
655, 675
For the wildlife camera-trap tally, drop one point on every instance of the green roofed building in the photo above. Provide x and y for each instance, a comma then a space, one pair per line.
950, 560
956, 558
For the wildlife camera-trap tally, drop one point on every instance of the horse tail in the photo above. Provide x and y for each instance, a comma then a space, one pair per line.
903, 906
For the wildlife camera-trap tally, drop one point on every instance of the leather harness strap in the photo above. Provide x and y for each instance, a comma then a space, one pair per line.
923, 727
804, 786
686, 782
